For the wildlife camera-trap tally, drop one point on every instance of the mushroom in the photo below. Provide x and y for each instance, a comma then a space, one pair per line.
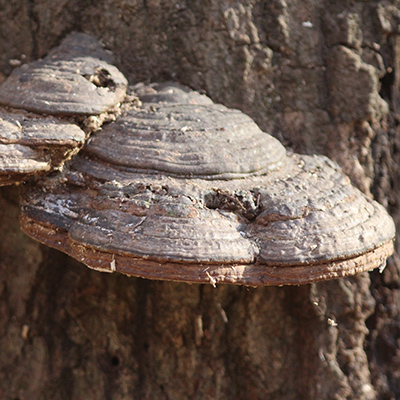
182, 189
76, 84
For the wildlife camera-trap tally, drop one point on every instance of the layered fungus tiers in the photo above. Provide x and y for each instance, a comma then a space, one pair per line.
33, 145
179, 188
46, 105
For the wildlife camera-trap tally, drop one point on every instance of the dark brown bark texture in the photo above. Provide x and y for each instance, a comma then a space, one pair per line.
321, 76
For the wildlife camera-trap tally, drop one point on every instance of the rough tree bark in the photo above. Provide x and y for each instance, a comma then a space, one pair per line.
321, 76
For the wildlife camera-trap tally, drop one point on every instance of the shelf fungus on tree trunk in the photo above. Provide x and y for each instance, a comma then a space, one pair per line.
44, 105
180, 188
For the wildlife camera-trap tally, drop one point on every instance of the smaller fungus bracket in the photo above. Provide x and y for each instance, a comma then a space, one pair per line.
185, 135
182, 189
74, 79
46, 103
32, 145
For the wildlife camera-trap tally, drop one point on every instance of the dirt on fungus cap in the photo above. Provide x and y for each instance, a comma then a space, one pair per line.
182, 189
75, 79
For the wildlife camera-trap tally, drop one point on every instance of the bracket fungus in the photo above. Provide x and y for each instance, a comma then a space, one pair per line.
73, 84
179, 188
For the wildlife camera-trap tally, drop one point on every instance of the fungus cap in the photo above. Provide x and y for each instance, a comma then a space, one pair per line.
183, 189
74, 79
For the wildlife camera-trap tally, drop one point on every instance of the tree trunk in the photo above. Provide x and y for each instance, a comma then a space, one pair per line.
322, 77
